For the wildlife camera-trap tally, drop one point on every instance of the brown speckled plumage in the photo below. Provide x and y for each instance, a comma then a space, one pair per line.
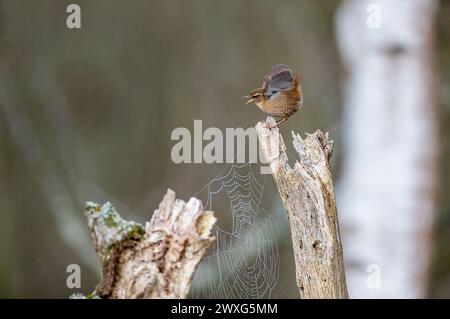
280, 95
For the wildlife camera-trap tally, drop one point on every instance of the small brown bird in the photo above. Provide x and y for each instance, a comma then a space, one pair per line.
280, 95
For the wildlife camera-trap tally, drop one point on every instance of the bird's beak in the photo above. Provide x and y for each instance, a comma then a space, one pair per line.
250, 99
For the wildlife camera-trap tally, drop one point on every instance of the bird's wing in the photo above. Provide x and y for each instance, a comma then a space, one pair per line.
279, 78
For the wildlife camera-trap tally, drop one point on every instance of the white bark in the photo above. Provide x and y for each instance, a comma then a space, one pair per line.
386, 193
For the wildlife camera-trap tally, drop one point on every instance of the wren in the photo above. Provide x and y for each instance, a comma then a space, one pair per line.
280, 95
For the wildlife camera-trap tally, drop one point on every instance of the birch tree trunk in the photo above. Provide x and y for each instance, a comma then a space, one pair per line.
386, 195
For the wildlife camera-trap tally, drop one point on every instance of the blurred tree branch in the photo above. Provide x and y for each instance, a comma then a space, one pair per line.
30, 147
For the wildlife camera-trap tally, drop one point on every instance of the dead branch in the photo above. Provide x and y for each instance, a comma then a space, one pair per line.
308, 195
155, 261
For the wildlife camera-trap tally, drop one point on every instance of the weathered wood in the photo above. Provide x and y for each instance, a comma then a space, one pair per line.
308, 195
155, 261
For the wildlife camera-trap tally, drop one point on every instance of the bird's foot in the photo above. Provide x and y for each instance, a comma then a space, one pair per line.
281, 121
270, 122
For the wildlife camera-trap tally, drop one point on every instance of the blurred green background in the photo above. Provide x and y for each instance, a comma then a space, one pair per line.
88, 114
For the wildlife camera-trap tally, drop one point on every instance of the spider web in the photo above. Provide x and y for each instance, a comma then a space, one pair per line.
243, 262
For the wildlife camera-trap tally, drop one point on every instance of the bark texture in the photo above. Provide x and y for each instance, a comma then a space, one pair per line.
155, 261
308, 195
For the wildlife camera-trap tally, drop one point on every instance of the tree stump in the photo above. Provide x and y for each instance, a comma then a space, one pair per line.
155, 261
308, 195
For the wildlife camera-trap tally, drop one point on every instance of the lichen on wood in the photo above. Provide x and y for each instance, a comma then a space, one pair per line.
155, 261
